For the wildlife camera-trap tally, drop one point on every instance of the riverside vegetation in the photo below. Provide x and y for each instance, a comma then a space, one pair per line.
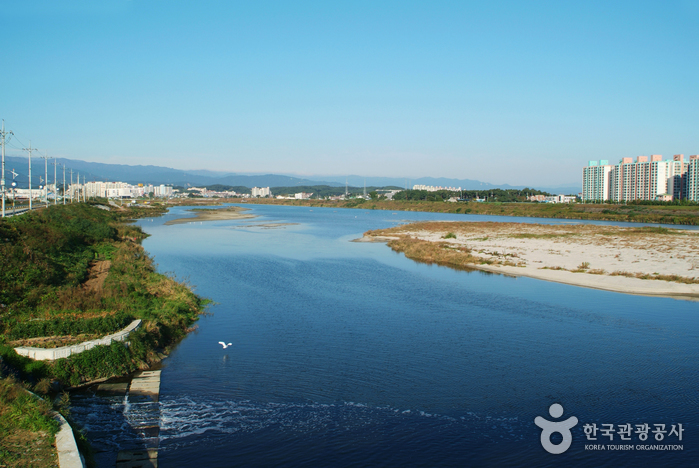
71, 273
639, 212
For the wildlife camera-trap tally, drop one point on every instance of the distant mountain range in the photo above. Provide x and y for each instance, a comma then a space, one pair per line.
165, 175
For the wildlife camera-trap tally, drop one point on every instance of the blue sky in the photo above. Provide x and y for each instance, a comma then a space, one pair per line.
503, 92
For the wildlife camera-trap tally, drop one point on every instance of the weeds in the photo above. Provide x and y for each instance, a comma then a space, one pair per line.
27, 429
45, 258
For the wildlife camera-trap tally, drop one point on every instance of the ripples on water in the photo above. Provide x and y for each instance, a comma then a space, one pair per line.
299, 430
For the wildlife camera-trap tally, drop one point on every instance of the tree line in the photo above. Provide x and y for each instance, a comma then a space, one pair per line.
499, 195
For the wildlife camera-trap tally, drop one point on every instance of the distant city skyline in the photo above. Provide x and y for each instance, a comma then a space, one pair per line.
505, 92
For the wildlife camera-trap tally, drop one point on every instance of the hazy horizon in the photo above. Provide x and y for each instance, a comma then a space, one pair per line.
504, 92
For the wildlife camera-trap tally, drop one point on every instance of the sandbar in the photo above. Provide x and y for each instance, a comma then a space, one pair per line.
213, 214
634, 260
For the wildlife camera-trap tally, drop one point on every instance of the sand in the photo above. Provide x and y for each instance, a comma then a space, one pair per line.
600, 257
201, 214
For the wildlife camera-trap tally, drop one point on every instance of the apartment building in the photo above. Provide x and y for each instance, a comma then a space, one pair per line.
433, 188
118, 190
260, 192
693, 178
643, 179
596, 179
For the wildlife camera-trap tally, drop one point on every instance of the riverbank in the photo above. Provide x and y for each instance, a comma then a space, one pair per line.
213, 214
71, 271
647, 261
634, 213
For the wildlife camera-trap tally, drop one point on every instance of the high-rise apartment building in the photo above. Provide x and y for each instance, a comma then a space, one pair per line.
596, 181
643, 179
693, 178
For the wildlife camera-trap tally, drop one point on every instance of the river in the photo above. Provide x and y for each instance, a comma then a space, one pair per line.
348, 354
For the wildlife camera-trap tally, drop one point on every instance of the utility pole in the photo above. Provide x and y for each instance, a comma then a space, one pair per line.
64, 184
55, 183
71, 185
78, 184
30, 172
46, 179
3, 134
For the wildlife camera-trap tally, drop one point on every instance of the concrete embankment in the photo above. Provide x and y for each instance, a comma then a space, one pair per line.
68, 454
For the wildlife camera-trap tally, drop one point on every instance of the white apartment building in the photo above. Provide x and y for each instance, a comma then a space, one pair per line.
162, 191
260, 192
432, 188
596, 181
118, 190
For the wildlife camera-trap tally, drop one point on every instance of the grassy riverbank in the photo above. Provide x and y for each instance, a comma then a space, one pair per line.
27, 430
75, 272
638, 213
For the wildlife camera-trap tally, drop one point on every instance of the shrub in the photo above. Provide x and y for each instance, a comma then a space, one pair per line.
70, 326
30, 370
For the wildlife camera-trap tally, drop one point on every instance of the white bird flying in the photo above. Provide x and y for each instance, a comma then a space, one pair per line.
224, 344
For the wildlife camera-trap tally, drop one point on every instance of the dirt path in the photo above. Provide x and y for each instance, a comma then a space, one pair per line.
98, 273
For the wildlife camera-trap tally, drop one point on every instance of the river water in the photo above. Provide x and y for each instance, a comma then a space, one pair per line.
348, 354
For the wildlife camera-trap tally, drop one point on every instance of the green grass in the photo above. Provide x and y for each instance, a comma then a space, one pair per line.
27, 429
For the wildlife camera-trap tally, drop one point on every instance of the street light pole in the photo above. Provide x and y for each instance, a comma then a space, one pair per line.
14, 194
